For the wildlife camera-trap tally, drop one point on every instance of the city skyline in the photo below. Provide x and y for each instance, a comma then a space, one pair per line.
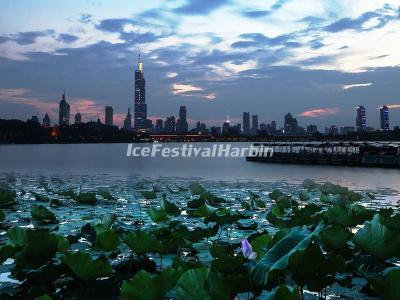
321, 61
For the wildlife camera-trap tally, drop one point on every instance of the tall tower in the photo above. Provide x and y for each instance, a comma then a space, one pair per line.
181, 124
384, 112
361, 119
109, 116
246, 123
63, 112
140, 114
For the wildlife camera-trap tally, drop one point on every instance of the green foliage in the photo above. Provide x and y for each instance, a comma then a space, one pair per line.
260, 245
2, 215
378, 240
85, 198
387, 285
106, 194
157, 215
84, 267
304, 196
142, 242
201, 284
196, 188
40, 197
144, 286
275, 194
107, 240
7, 196
170, 207
277, 258
283, 292
149, 195
310, 184
335, 237
43, 215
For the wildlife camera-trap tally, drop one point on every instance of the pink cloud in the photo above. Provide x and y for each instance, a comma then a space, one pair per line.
319, 112
393, 106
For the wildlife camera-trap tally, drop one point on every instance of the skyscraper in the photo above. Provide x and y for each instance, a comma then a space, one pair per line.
290, 124
254, 124
108, 120
78, 118
361, 119
246, 123
159, 126
140, 95
170, 124
63, 112
384, 112
128, 120
46, 120
181, 123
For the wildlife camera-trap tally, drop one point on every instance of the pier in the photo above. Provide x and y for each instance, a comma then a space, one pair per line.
362, 154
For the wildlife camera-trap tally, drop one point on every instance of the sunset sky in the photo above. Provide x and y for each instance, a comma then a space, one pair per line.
315, 59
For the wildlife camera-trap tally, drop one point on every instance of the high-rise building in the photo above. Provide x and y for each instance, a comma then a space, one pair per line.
159, 126
181, 123
225, 128
346, 130
273, 126
246, 123
46, 120
63, 112
361, 119
140, 98
108, 120
128, 120
312, 129
254, 124
78, 118
384, 113
34, 119
170, 124
290, 124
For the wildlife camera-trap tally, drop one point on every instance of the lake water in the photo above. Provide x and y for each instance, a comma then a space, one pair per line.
111, 160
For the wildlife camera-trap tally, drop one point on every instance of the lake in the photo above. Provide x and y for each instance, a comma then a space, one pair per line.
111, 160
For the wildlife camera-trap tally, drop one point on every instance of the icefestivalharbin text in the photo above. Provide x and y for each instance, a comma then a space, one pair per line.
192, 151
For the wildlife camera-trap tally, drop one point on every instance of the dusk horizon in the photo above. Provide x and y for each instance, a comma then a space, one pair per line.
316, 61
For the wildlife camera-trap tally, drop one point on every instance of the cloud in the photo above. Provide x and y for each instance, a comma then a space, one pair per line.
29, 37
179, 88
171, 74
355, 85
367, 21
211, 96
85, 18
319, 112
67, 38
200, 7
113, 25
393, 106
260, 40
256, 13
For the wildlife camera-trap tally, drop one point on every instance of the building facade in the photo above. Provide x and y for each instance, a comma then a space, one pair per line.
109, 116
46, 120
63, 112
361, 119
140, 115
128, 121
78, 118
254, 124
384, 116
181, 123
246, 123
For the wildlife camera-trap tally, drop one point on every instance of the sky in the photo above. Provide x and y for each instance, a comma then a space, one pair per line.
317, 59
